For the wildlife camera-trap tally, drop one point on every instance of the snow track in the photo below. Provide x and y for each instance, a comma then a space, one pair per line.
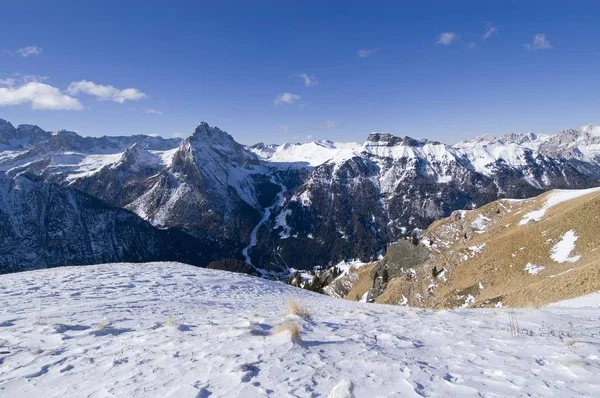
264, 219
172, 330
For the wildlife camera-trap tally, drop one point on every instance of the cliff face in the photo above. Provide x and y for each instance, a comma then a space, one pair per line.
44, 225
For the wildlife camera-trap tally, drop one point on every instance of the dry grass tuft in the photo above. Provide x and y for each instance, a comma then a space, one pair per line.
293, 308
103, 324
362, 284
173, 321
287, 326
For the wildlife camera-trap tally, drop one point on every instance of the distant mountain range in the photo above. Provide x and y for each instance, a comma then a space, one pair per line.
276, 206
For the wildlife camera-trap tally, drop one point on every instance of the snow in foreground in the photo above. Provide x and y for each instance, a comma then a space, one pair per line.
168, 329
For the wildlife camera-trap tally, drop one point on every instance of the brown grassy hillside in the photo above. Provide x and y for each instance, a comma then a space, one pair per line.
499, 254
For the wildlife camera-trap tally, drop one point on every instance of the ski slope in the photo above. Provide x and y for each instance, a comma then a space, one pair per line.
172, 330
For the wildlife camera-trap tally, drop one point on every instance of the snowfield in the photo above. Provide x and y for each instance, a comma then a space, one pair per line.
556, 196
172, 330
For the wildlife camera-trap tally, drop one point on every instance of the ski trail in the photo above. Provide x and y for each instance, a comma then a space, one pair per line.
265, 217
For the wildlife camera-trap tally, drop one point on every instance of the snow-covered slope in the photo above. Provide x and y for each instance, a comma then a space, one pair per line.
171, 330
312, 153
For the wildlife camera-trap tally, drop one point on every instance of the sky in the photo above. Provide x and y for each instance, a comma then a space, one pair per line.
287, 71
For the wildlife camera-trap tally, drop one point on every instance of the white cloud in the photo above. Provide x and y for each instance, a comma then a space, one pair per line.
105, 92
446, 38
9, 81
151, 111
32, 78
286, 98
21, 79
178, 135
30, 50
39, 95
309, 81
491, 29
539, 42
365, 52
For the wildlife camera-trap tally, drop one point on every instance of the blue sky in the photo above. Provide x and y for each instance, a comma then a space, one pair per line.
420, 68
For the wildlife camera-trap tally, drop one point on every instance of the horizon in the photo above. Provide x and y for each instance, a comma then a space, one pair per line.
281, 72
184, 136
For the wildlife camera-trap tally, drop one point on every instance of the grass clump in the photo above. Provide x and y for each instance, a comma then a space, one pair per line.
103, 324
293, 308
288, 327
173, 321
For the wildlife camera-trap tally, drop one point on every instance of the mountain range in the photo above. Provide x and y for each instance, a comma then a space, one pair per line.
274, 206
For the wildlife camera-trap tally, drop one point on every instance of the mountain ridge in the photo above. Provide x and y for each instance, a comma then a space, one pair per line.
300, 205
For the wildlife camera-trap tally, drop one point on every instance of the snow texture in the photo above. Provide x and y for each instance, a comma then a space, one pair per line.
590, 300
172, 330
556, 197
534, 269
561, 252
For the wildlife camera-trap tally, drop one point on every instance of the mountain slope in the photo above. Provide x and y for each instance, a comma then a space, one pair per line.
510, 252
45, 225
353, 207
127, 329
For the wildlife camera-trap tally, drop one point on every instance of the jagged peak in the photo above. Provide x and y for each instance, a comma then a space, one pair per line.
135, 147
518, 138
205, 130
387, 139
6, 125
204, 134
32, 130
262, 145
207, 139
63, 132
485, 138
590, 129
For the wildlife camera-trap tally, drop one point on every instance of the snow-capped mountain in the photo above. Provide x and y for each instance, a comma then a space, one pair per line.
352, 205
312, 153
580, 146
300, 205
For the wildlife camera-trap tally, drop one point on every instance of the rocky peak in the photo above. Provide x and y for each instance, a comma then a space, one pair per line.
388, 140
7, 131
5, 125
383, 139
519, 138
205, 132
32, 129
215, 143
132, 153
22, 136
590, 129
